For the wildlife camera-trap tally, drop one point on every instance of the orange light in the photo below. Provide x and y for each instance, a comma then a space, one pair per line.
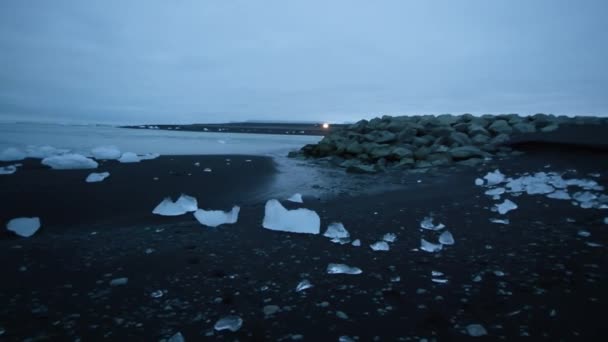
326, 125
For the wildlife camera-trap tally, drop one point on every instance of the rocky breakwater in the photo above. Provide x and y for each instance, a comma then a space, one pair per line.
419, 142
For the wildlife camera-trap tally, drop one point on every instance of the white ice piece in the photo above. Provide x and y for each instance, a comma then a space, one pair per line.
70, 161
446, 238
177, 337
9, 169
12, 154
342, 269
506, 206
430, 247
583, 233
479, 182
232, 323
476, 330
106, 153
214, 218
380, 246
24, 226
357, 242
169, 208
605, 220
500, 221
296, 198
206, 169
427, 223
336, 231
276, 217
97, 177
495, 177
495, 192
189, 203
303, 285
148, 156
389, 237
559, 194
41, 152
129, 157
119, 281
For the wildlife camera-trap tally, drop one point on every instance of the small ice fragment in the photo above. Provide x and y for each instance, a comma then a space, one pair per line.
169, 208
197, 164
439, 281
303, 285
157, 294
356, 243
479, 182
605, 220
12, 154
346, 339
178, 337
232, 323
106, 153
206, 169
495, 192
148, 156
427, 223
477, 278
584, 233
97, 177
214, 218
341, 315
476, 330
24, 226
341, 241
436, 273
379, 246
495, 177
129, 157
584, 196
559, 194
389, 237
430, 247
342, 269
276, 217
336, 231
296, 198
8, 170
446, 238
499, 273
500, 221
189, 203
119, 281
270, 310
70, 161
594, 244
506, 206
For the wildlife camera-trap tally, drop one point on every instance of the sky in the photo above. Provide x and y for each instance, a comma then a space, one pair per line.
186, 61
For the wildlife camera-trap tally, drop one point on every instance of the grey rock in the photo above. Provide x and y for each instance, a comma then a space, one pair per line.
405, 163
422, 164
471, 162
422, 153
461, 127
460, 138
442, 131
550, 128
380, 151
466, 152
354, 148
475, 129
480, 139
422, 141
500, 139
500, 126
380, 137
401, 152
407, 134
361, 168
524, 127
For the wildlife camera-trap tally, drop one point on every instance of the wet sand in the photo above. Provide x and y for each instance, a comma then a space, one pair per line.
538, 276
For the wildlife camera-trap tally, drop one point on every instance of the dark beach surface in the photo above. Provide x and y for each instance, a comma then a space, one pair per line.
536, 276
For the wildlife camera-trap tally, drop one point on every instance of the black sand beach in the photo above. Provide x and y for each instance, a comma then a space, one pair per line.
538, 278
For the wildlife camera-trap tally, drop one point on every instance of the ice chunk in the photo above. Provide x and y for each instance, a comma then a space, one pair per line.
500, 221
594, 244
303, 285
342, 269
232, 323
495, 177
357, 242
439, 280
336, 231
44, 151
389, 237
296, 198
583, 233
119, 281
169, 208
206, 169
538, 188
97, 177
177, 337
12, 154
427, 223
479, 182
495, 192
605, 220
276, 217
505, 207
559, 194
430, 247
129, 157
380, 246
584, 196
106, 153
70, 161
214, 218
24, 226
436, 273
446, 238
8, 170
345, 338
476, 330
149, 156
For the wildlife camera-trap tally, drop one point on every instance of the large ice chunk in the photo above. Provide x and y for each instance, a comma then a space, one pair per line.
24, 226
476, 330
336, 231
214, 218
97, 177
183, 205
296, 198
343, 269
12, 154
276, 217
559, 194
427, 223
446, 238
429, 246
506, 206
70, 161
41, 152
495, 177
106, 153
232, 323
129, 157
389, 237
380, 246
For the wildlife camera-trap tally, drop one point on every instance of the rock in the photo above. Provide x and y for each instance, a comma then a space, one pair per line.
500, 126
361, 168
405, 163
461, 127
422, 153
439, 159
466, 152
500, 139
423, 141
379, 151
401, 152
407, 134
475, 129
442, 131
470, 162
422, 164
380, 137
460, 138
523, 127
354, 148
550, 128
480, 139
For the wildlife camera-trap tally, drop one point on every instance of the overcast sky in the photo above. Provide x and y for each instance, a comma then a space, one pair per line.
214, 61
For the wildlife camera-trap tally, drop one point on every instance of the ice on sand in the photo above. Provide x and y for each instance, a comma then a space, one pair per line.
97, 177
495, 177
356, 243
183, 205
119, 281
232, 323
559, 194
500, 221
129, 157
12, 154
389, 237
106, 153
479, 182
380, 246
605, 220
24, 226
70, 161
41, 152
206, 169
505, 207
303, 285
446, 238
495, 192
342, 269
214, 218
177, 337
427, 223
476, 330
336, 231
429, 246
8, 170
276, 217
296, 198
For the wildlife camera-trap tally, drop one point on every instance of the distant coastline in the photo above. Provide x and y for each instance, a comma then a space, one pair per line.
249, 127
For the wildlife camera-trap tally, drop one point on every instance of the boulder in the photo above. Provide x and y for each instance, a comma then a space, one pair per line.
466, 152
480, 139
401, 152
460, 138
500, 139
354, 148
500, 126
380, 151
406, 163
380, 137
475, 129
422, 152
524, 127
407, 134
550, 128
423, 140
361, 168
